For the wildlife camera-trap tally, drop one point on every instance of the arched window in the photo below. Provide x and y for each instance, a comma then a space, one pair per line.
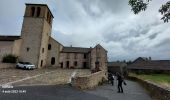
52, 60
41, 63
48, 16
28, 49
49, 46
38, 11
32, 11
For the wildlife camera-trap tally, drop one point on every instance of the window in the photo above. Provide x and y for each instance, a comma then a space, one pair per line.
32, 11
61, 64
38, 11
42, 50
67, 64
85, 56
48, 17
28, 49
75, 63
49, 46
41, 63
52, 60
84, 65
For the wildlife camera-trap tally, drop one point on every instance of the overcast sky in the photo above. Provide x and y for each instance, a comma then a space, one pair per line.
111, 23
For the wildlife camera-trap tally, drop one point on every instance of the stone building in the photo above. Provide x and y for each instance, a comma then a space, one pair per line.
120, 67
9, 45
91, 58
35, 45
147, 65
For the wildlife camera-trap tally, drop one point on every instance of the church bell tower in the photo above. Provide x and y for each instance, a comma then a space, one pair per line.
35, 33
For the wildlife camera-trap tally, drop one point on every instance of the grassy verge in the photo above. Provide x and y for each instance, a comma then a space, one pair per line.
161, 79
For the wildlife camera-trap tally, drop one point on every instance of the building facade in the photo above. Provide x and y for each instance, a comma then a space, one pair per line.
85, 58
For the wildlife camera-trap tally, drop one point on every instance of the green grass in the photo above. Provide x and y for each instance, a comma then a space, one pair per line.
162, 79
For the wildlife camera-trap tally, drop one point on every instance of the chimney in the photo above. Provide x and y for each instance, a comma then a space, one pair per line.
70, 45
150, 58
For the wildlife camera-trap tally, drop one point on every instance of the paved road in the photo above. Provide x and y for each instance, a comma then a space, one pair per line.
106, 92
132, 91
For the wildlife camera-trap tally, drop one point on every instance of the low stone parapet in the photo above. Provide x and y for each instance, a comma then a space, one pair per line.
89, 81
7, 65
155, 90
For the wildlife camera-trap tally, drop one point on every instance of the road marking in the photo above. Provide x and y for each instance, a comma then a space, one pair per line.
9, 83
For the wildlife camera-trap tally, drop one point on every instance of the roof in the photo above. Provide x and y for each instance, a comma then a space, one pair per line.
98, 45
41, 5
9, 38
75, 50
151, 64
141, 59
116, 64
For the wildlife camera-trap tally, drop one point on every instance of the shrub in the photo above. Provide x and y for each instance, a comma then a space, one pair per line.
9, 58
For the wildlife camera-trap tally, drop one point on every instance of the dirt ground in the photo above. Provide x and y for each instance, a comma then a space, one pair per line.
38, 76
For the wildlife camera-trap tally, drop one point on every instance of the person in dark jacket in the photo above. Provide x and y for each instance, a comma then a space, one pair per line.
120, 81
109, 77
112, 79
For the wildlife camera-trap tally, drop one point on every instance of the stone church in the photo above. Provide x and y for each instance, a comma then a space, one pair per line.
36, 45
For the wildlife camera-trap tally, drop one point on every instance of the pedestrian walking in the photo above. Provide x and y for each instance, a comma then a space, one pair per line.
109, 77
120, 81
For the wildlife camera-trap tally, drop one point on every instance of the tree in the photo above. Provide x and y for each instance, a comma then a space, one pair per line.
141, 5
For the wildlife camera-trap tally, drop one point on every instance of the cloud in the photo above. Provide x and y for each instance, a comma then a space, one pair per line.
111, 23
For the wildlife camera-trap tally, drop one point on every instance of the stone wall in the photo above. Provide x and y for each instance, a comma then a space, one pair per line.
31, 44
5, 48
7, 65
16, 47
89, 81
54, 52
156, 91
46, 33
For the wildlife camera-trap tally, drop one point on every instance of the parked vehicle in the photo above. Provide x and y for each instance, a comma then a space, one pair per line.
25, 65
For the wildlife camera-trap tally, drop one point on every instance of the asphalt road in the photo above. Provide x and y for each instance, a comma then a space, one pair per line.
132, 91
